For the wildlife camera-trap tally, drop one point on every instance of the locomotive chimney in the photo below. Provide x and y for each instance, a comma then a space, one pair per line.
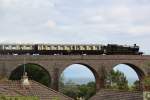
134, 45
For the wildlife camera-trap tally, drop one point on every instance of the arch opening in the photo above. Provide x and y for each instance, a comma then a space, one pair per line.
34, 72
126, 77
78, 81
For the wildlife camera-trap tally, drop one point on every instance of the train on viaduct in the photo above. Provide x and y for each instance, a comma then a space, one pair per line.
69, 49
95, 57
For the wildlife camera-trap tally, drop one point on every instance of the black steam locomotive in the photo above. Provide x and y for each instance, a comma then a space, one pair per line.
68, 49
122, 50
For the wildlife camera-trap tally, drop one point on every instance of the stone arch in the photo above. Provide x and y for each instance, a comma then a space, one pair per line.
14, 70
140, 73
94, 72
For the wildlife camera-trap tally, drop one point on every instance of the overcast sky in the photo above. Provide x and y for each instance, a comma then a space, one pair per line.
75, 21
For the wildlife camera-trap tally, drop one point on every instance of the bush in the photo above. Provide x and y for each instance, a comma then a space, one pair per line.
146, 83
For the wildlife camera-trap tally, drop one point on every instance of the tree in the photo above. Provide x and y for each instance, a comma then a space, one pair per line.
35, 72
62, 80
70, 89
117, 80
146, 83
87, 90
136, 85
75, 91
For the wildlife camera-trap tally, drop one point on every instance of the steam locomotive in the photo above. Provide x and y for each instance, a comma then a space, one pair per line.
68, 49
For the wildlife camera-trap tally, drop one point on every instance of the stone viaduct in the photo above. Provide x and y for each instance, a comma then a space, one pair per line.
56, 64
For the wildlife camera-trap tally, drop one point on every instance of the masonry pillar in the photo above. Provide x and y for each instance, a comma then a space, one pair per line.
99, 84
55, 79
101, 81
3, 72
141, 85
141, 82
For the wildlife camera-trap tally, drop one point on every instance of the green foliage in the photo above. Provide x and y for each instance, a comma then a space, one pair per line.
55, 98
146, 81
74, 90
87, 90
70, 89
61, 80
2, 97
35, 72
135, 86
117, 80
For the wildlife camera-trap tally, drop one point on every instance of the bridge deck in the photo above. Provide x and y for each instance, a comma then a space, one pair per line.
73, 57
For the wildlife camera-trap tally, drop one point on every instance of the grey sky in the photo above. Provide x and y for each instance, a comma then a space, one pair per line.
76, 21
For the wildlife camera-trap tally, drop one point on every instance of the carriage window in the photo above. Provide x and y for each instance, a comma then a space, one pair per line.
48, 47
87, 47
97, 47
68, 48
90, 48
81, 47
1, 47
77, 47
21, 47
27, 47
13, 47
54, 47
39, 47
84, 47
44, 47
94, 48
73, 47
7, 47
61, 47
